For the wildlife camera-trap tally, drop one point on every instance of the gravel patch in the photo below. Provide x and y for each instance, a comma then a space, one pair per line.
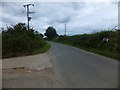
39, 62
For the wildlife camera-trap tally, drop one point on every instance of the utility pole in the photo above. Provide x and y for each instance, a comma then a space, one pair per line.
65, 29
28, 12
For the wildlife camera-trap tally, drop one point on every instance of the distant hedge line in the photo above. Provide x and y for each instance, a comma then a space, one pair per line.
18, 41
95, 40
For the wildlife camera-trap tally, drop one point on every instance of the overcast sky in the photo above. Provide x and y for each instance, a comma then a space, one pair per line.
80, 17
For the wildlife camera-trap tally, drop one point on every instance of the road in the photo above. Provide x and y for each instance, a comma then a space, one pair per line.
68, 67
80, 69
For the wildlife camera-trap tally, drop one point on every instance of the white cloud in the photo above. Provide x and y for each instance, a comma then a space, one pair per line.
60, 0
82, 17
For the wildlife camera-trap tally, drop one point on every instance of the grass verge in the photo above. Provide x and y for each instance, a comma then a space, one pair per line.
44, 48
106, 53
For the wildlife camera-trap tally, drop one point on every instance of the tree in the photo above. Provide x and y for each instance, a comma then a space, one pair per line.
18, 41
50, 33
40, 34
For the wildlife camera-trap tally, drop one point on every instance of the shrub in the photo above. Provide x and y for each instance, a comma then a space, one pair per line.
17, 40
95, 40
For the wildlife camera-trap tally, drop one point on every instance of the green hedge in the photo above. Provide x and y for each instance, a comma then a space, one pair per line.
95, 41
18, 41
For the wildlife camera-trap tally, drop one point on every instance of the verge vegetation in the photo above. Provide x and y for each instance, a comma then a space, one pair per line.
18, 41
106, 43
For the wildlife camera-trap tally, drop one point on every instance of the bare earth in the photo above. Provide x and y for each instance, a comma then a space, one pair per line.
28, 72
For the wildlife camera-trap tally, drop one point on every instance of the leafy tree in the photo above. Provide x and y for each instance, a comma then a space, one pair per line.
50, 33
18, 41
41, 35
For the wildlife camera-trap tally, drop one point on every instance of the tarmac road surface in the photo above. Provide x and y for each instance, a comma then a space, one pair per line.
80, 69
61, 67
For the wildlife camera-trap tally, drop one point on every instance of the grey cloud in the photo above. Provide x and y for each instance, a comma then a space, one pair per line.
15, 9
62, 19
82, 17
57, 15
77, 6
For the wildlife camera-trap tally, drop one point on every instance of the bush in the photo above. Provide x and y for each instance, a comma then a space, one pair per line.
17, 41
95, 41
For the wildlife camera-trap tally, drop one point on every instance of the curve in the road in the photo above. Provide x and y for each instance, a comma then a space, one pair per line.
80, 69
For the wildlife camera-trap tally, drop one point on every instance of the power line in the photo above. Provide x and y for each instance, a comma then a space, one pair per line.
115, 28
28, 12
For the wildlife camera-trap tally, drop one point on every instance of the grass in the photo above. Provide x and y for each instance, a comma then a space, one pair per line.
44, 48
106, 53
